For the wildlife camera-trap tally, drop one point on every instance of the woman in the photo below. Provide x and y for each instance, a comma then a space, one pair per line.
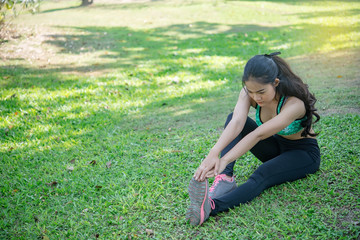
281, 137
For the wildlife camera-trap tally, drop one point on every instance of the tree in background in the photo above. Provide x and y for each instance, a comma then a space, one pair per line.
86, 2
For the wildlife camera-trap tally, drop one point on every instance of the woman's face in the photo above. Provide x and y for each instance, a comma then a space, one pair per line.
262, 94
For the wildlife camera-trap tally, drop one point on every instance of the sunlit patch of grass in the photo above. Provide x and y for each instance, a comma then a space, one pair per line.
342, 41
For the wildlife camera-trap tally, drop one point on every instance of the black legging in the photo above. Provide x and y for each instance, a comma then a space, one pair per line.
283, 161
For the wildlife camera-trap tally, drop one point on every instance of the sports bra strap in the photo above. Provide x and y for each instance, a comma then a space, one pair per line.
281, 103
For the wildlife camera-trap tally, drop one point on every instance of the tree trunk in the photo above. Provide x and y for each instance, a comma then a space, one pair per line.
86, 2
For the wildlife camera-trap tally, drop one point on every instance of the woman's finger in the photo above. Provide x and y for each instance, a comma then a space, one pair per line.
199, 173
203, 173
216, 168
210, 174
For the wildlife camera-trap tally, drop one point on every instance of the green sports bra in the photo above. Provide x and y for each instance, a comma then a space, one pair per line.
293, 128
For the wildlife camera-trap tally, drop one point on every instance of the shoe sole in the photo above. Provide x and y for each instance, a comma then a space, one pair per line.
198, 193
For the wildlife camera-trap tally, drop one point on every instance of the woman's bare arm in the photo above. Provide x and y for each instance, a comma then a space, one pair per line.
232, 130
293, 110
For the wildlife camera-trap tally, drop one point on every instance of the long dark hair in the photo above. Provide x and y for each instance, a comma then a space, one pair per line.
266, 68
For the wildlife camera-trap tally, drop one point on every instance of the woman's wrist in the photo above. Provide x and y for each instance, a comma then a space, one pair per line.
214, 152
225, 159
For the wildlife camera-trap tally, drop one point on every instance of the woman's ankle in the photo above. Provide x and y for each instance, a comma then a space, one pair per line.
227, 177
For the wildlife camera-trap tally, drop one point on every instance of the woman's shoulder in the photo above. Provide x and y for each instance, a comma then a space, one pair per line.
294, 103
290, 100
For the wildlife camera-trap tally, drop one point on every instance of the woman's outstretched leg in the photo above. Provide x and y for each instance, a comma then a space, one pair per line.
287, 167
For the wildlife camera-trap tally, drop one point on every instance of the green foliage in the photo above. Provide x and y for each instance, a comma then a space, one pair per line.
16, 6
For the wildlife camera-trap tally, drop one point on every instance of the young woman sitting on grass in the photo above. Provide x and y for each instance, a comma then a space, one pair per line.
281, 137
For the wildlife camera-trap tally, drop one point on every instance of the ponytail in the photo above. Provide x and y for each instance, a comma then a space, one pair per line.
292, 85
266, 68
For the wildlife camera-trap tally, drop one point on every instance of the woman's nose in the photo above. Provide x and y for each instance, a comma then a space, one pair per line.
257, 97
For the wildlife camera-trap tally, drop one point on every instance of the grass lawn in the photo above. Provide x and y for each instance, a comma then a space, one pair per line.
106, 111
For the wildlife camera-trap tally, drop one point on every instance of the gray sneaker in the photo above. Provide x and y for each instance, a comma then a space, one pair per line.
200, 203
221, 186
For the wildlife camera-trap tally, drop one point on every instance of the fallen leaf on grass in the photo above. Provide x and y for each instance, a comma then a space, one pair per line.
339, 76
93, 162
108, 165
98, 187
71, 168
149, 232
52, 184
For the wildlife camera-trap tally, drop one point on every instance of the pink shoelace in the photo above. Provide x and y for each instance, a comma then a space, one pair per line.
218, 178
212, 204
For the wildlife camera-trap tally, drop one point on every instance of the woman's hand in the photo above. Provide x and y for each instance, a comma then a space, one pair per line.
210, 163
222, 166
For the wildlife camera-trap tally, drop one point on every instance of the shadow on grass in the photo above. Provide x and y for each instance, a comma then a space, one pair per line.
123, 5
350, 12
166, 54
165, 50
60, 9
171, 49
104, 5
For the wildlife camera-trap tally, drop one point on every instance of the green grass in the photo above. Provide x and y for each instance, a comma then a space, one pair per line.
147, 87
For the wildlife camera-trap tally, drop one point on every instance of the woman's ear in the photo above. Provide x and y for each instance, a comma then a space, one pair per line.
276, 82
